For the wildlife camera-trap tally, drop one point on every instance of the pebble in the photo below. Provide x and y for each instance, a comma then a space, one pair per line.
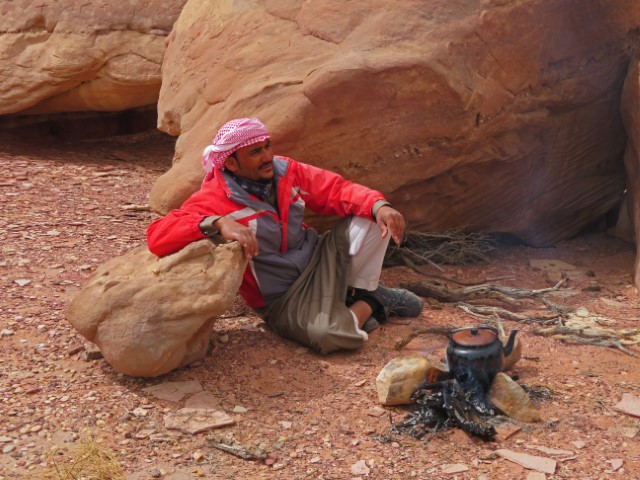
9, 448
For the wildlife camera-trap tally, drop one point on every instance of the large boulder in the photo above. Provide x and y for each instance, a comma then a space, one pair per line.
150, 315
498, 115
71, 55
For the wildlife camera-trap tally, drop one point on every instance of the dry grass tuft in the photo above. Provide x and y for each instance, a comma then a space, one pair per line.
88, 460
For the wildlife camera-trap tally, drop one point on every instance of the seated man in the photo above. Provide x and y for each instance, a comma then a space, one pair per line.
321, 291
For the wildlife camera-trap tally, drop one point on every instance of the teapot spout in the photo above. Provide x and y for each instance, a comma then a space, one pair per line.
510, 343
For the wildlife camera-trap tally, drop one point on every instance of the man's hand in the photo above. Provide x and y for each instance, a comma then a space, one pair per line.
232, 230
390, 222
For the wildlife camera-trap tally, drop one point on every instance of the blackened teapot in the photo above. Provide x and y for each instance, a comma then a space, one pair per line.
476, 354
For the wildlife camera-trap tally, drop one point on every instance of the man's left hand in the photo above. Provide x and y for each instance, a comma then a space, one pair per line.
390, 222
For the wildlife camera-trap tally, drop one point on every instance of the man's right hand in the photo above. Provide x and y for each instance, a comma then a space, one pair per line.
232, 230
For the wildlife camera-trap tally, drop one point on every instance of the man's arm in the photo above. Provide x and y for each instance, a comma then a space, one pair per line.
326, 192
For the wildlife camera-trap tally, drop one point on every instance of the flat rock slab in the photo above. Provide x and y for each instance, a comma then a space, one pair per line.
196, 420
530, 462
204, 400
174, 391
629, 404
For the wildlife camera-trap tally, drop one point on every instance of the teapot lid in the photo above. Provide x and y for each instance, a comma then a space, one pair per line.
474, 336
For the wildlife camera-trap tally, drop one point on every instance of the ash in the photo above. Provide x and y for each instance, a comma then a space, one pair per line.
448, 404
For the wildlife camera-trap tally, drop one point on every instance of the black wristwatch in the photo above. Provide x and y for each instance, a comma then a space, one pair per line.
206, 226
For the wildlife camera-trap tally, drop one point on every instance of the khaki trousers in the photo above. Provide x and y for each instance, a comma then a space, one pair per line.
313, 310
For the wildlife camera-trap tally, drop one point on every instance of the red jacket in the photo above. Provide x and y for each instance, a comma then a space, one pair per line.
286, 243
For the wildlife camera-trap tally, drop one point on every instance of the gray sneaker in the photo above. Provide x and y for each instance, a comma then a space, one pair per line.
370, 325
387, 302
396, 302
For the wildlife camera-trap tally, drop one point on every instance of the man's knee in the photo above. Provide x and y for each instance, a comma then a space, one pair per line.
325, 337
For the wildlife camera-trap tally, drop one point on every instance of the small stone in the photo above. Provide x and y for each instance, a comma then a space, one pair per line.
616, 463
239, 409
579, 444
197, 455
454, 468
91, 354
629, 404
360, 468
139, 412
155, 473
9, 448
5, 332
22, 282
376, 412
314, 460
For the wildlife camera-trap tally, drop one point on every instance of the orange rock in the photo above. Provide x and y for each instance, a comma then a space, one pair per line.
485, 114
512, 400
74, 56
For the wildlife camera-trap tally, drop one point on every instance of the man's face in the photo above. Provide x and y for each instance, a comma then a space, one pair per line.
254, 162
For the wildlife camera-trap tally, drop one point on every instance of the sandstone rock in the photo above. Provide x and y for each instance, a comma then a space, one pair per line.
499, 116
68, 56
628, 227
150, 315
402, 376
515, 355
530, 462
512, 400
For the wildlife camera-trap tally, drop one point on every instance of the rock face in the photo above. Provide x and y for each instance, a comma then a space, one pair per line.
150, 315
498, 115
629, 223
68, 56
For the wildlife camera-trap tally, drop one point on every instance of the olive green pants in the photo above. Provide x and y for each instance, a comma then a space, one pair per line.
313, 311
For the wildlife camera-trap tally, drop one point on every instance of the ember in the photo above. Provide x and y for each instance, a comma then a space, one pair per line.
447, 404
475, 356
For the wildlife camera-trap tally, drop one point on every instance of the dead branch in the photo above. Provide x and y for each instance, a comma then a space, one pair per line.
593, 336
488, 312
229, 445
505, 294
598, 342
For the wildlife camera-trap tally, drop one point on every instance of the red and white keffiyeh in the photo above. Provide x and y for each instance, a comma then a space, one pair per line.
235, 134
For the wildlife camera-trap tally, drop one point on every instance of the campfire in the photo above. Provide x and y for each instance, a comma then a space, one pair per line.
472, 393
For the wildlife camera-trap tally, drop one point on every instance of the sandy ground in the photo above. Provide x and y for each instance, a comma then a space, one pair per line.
316, 417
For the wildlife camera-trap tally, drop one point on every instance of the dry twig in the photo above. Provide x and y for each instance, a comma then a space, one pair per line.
487, 311
453, 247
505, 294
594, 336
